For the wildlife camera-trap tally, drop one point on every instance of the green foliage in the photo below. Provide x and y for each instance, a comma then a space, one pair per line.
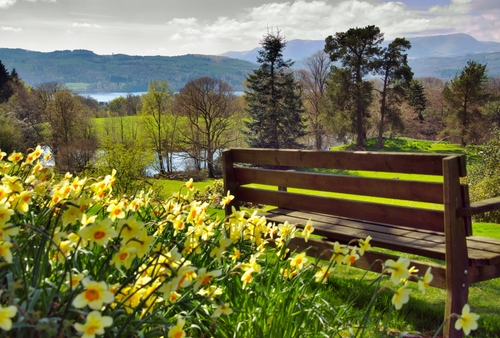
11, 137
464, 95
274, 103
358, 51
130, 160
121, 73
483, 176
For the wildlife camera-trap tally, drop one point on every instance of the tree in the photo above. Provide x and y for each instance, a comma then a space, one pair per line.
273, 98
416, 98
5, 88
358, 51
464, 95
396, 76
313, 81
73, 137
158, 121
209, 105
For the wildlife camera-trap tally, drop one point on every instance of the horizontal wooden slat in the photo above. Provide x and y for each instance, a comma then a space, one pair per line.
369, 261
480, 207
373, 212
431, 192
425, 164
482, 251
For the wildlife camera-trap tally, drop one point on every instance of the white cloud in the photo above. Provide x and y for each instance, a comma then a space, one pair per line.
84, 25
6, 3
12, 29
317, 19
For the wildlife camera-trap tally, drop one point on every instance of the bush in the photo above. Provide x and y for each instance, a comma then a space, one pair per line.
484, 175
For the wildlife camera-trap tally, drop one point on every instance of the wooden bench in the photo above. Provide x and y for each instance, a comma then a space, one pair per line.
441, 229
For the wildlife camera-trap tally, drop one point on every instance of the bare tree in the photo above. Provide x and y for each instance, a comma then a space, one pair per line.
209, 105
314, 86
158, 121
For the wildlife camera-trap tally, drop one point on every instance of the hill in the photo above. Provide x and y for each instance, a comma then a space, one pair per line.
119, 72
441, 56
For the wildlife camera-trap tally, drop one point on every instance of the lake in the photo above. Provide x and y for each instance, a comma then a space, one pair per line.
107, 97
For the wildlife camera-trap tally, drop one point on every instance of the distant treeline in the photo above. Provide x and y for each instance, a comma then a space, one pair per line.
124, 73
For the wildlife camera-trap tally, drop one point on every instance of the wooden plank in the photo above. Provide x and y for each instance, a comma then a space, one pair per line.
403, 239
411, 163
229, 180
431, 192
457, 287
466, 203
374, 212
369, 261
480, 207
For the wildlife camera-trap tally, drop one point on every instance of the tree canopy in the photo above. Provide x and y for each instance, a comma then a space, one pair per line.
274, 102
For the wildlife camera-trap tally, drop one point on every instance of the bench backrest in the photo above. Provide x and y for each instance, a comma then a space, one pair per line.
321, 171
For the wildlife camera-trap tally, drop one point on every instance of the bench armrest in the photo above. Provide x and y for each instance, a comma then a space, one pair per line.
480, 207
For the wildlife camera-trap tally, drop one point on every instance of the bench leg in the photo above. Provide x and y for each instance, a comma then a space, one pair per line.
456, 298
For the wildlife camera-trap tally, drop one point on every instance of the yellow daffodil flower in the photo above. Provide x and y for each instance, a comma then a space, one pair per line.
425, 281
177, 331
298, 261
94, 324
5, 251
321, 276
338, 253
204, 277
308, 230
399, 270
6, 315
223, 309
99, 233
401, 296
364, 245
467, 321
96, 294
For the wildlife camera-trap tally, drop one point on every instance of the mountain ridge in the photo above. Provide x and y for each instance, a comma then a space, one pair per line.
441, 56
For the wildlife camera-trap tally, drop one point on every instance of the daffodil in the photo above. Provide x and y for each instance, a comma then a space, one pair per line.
467, 321
130, 227
364, 245
99, 233
22, 201
15, 157
6, 315
226, 199
116, 210
350, 258
308, 230
286, 230
8, 230
338, 253
399, 269
177, 330
298, 261
223, 309
401, 296
204, 277
219, 250
95, 323
5, 251
425, 281
96, 294
321, 276
125, 256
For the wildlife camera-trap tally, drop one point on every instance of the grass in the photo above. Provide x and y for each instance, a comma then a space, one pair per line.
77, 86
424, 312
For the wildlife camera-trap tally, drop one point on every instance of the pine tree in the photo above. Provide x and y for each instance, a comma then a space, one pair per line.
274, 100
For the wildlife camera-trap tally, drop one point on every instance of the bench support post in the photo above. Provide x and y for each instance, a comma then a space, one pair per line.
457, 285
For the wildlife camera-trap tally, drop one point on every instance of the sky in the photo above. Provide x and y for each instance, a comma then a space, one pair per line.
179, 27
